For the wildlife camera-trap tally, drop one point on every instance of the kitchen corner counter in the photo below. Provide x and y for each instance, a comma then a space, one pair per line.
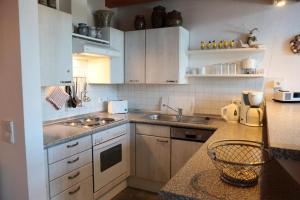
283, 125
180, 187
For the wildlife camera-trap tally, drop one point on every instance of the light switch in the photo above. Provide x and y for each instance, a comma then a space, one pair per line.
7, 131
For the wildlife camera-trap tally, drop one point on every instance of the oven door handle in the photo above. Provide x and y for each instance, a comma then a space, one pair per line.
110, 143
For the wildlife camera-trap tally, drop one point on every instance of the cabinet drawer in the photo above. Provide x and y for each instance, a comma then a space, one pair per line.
60, 184
68, 149
69, 164
83, 190
153, 130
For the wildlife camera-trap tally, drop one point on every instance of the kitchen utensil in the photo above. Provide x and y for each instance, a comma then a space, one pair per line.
238, 161
83, 29
103, 18
174, 18
231, 113
92, 31
140, 22
158, 17
75, 98
52, 3
69, 92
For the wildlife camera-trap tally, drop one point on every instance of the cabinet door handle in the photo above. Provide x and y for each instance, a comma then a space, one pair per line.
72, 145
75, 191
66, 82
73, 161
162, 141
74, 176
134, 81
171, 81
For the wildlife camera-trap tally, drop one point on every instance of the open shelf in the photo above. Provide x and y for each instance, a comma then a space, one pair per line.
90, 38
225, 76
225, 51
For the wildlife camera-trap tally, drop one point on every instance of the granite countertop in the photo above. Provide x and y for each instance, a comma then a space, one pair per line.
283, 125
179, 187
55, 133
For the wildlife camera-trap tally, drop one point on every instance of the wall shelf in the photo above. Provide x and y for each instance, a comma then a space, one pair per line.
226, 76
90, 38
226, 51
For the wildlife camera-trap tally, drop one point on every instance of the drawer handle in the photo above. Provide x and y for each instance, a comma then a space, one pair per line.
72, 145
74, 176
75, 191
65, 82
72, 161
162, 141
171, 81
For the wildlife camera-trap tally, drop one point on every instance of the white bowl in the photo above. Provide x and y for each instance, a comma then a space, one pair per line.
255, 98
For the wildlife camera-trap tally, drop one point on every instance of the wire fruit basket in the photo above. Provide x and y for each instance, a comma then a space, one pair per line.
238, 161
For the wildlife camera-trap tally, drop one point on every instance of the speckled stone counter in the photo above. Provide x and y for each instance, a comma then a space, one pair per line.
283, 125
180, 187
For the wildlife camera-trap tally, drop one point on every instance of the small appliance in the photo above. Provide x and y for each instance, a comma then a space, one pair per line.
286, 96
118, 107
249, 66
251, 113
231, 113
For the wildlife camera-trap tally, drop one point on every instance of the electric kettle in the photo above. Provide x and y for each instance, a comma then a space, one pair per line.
231, 113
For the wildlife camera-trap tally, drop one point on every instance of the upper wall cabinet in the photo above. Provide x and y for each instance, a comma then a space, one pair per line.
55, 31
117, 64
135, 58
166, 55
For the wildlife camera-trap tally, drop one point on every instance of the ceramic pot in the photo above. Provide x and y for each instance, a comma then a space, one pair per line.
83, 29
103, 18
174, 18
158, 17
92, 31
140, 22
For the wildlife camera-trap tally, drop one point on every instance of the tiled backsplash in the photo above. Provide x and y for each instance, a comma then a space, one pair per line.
99, 95
210, 94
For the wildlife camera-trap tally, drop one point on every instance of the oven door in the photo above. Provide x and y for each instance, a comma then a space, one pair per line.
110, 161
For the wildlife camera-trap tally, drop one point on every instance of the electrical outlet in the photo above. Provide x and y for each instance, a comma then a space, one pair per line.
7, 131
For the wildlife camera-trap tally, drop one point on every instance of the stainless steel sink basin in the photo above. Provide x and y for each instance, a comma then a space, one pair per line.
173, 118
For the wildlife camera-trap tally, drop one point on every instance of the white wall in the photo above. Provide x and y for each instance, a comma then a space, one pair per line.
22, 164
231, 19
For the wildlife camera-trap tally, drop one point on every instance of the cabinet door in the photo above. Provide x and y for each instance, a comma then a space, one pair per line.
55, 29
153, 158
162, 55
117, 63
135, 58
182, 151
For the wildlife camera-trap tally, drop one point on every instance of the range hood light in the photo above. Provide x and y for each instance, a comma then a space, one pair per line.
280, 3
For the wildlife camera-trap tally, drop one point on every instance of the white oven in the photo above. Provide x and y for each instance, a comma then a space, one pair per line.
111, 155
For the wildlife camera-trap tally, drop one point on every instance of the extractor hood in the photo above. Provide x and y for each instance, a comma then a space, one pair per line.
85, 47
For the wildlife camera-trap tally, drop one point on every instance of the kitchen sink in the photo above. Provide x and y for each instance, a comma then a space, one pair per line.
174, 118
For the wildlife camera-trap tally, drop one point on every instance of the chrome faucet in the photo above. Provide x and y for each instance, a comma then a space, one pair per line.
178, 111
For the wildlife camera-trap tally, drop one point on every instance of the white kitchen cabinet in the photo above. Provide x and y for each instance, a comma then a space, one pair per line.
135, 58
117, 63
153, 158
55, 31
166, 55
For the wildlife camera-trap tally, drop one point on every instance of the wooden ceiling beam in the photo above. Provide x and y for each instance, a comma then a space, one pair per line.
119, 3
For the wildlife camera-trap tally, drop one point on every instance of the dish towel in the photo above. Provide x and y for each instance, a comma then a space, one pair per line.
58, 97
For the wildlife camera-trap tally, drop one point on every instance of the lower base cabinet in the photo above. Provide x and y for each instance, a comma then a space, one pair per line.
153, 158
81, 191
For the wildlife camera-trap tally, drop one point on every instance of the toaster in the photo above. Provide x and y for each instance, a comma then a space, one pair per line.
286, 96
118, 106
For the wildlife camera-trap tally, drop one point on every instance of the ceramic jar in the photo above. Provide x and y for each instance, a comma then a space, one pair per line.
140, 22
158, 17
174, 18
83, 29
92, 31
103, 18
